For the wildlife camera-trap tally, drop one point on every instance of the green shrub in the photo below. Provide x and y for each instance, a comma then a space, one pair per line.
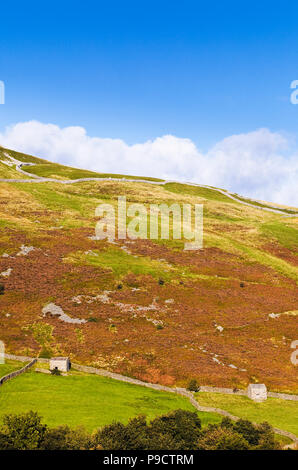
227, 423
266, 438
193, 386
181, 427
177, 430
65, 438
221, 438
45, 353
4, 443
112, 437
248, 431
24, 431
55, 438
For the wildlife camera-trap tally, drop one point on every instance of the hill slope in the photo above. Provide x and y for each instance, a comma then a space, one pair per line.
210, 317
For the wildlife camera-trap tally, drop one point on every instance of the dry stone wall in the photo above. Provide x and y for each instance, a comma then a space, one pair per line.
179, 391
17, 372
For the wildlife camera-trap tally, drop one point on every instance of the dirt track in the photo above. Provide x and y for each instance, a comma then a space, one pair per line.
41, 179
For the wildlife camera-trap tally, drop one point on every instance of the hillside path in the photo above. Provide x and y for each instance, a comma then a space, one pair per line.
41, 179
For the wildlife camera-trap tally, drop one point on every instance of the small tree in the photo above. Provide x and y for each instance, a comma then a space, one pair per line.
24, 431
78, 439
112, 437
266, 437
193, 386
221, 438
226, 423
181, 428
118, 436
55, 438
248, 431
4, 443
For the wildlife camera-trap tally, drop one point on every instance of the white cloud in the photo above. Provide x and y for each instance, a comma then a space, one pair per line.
255, 164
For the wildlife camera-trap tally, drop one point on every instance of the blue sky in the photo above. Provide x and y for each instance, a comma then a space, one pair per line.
137, 71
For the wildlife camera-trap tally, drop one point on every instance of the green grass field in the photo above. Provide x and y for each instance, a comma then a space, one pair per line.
87, 400
121, 263
284, 234
10, 366
259, 204
93, 401
280, 414
205, 193
54, 170
21, 157
8, 171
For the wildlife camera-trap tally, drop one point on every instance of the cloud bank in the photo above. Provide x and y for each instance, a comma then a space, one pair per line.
257, 164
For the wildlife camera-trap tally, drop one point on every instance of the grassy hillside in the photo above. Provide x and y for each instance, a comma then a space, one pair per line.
93, 401
8, 171
280, 414
9, 366
54, 170
87, 400
152, 310
21, 157
48, 169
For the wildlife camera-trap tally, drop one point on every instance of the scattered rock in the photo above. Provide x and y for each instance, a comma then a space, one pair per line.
274, 315
6, 273
216, 360
53, 309
219, 328
25, 250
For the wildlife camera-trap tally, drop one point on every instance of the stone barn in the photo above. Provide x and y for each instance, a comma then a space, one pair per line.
60, 363
257, 392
